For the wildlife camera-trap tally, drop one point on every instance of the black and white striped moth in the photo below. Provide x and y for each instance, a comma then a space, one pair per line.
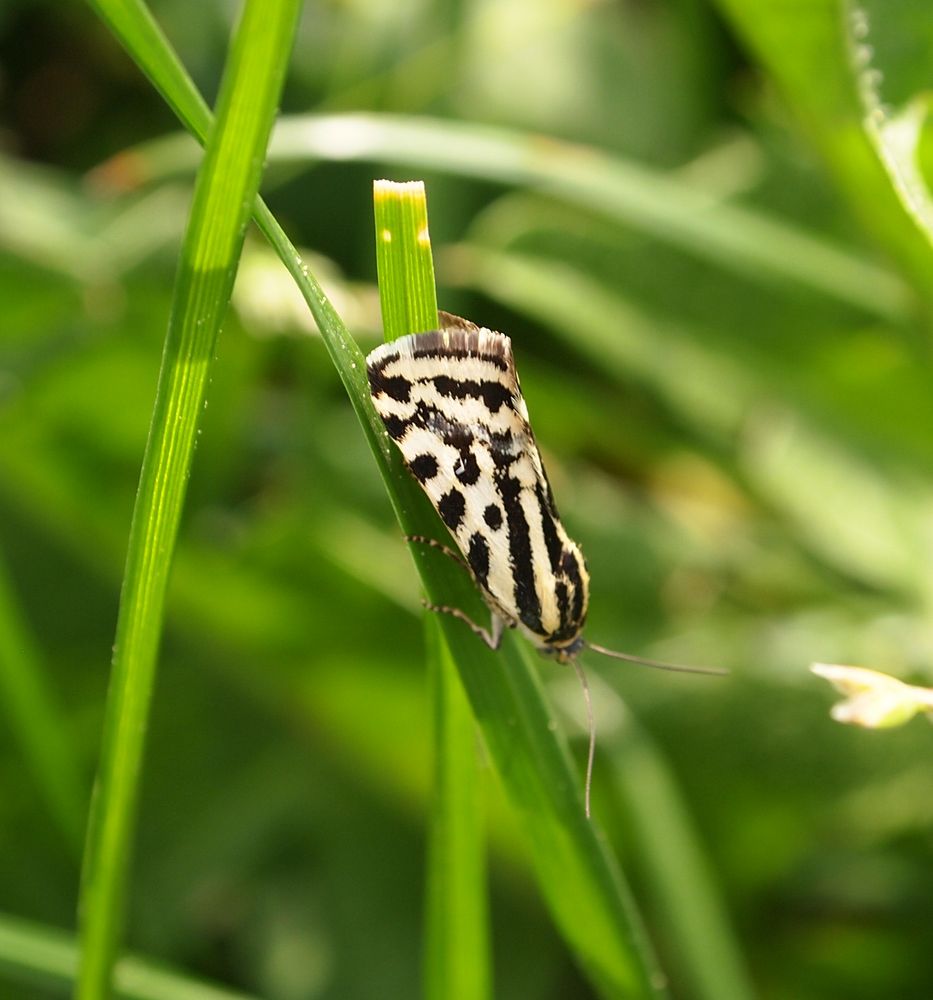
452, 402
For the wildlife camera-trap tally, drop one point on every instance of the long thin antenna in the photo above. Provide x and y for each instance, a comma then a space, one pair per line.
591, 726
656, 664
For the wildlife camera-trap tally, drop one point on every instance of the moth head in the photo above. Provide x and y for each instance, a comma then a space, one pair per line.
565, 651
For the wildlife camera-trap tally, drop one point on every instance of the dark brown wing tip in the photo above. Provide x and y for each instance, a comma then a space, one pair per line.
448, 321
466, 332
457, 337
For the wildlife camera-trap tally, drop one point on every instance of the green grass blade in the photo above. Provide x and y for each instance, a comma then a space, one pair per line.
457, 959
578, 878
225, 189
739, 239
35, 721
403, 259
457, 955
32, 952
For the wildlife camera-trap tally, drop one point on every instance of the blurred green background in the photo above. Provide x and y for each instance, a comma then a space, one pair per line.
721, 316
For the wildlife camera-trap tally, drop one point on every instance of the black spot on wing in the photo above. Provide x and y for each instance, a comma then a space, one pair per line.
423, 467
549, 497
397, 386
492, 515
466, 468
571, 596
396, 426
478, 557
451, 387
504, 448
452, 507
566, 630
378, 365
495, 395
578, 609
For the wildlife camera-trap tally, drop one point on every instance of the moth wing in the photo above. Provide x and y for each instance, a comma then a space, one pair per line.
451, 401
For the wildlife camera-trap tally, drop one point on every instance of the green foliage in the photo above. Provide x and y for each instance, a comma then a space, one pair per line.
706, 232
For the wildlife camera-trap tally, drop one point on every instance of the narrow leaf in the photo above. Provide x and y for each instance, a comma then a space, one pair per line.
225, 189
457, 960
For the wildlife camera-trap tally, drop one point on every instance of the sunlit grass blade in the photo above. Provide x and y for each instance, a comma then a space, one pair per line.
403, 259
456, 955
35, 722
34, 953
578, 878
225, 189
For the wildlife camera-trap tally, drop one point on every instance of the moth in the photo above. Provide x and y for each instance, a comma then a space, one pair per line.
452, 402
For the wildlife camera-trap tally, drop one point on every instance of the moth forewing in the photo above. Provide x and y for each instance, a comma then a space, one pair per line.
452, 402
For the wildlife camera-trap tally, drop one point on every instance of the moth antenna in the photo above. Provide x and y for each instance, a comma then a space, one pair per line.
591, 728
679, 668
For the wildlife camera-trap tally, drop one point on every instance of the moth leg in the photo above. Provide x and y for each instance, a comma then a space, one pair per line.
441, 547
492, 636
